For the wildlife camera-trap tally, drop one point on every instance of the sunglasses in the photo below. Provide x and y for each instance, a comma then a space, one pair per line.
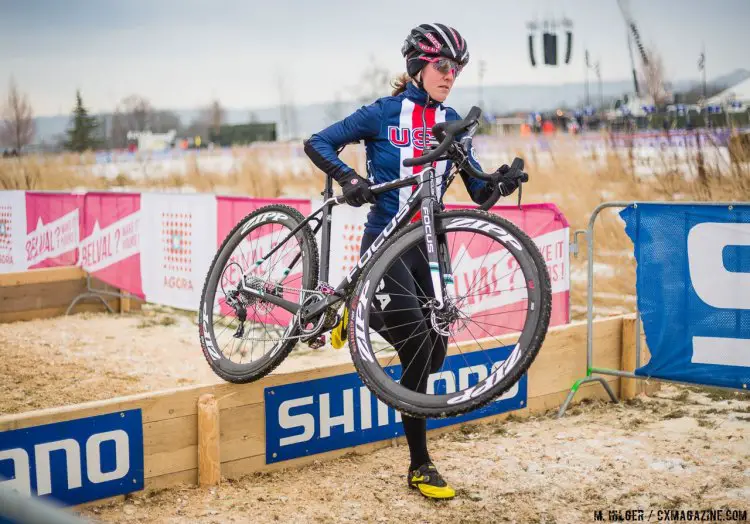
446, 65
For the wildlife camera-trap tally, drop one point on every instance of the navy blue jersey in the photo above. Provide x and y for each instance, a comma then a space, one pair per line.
392, 130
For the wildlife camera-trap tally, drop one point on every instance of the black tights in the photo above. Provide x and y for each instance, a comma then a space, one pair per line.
400, 317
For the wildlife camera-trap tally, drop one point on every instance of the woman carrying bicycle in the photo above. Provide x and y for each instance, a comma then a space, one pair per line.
396, 128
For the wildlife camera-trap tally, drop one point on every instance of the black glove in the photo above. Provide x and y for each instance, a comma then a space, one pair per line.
356, 189
507, 185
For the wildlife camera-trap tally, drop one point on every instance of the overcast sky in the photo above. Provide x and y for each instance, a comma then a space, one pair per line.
180, 54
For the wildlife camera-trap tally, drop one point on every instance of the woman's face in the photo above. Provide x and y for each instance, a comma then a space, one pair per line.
437, 84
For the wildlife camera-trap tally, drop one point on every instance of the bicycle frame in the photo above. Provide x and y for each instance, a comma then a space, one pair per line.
425, 198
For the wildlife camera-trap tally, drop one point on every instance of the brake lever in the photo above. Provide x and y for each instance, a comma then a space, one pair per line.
524, 177
520, 177
520, 191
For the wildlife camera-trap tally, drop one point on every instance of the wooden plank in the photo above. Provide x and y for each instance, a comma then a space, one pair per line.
172, 461
188, 477
166, 404
33, 314
40, 296
38, 276
170, 445
243, 431
169, 434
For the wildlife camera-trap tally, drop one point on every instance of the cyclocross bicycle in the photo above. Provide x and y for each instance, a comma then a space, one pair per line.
267, 289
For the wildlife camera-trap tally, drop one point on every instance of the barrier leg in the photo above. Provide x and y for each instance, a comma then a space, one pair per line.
579, 383
97, 293
85, 296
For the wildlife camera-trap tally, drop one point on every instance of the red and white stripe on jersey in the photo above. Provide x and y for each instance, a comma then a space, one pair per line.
411, 118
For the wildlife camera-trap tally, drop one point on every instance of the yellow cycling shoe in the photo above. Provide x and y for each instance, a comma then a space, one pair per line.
429, 482
338, 335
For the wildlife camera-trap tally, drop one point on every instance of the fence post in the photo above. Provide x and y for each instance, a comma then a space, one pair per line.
124, 302
628, 386
209, 456
631, 387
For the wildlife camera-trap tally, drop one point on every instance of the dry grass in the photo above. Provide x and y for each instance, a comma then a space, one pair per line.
60, 172
577, 186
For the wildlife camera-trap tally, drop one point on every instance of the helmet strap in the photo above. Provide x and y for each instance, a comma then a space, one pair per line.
418, 80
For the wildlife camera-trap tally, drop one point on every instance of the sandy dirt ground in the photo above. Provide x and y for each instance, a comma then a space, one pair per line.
678, 449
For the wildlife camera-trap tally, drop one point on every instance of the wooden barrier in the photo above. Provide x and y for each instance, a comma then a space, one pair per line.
45, 293
173, 420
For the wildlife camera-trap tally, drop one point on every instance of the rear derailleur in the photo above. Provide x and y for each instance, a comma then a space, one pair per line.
248, 293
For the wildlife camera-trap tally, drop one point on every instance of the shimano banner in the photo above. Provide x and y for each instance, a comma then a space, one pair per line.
693, 286
75, 461
337, 412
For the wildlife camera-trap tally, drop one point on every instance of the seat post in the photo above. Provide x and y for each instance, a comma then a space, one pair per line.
325, 248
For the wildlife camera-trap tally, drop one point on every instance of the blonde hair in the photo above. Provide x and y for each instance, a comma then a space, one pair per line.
399, 83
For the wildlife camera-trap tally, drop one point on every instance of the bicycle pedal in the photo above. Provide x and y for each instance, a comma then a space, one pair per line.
318, 342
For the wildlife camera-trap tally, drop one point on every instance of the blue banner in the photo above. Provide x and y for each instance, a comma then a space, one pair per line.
693, 288
75, 461
324, 414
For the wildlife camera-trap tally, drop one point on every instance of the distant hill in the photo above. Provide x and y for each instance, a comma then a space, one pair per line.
497, 99
733, 78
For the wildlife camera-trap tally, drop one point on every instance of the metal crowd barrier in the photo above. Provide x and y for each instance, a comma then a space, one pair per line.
591, 370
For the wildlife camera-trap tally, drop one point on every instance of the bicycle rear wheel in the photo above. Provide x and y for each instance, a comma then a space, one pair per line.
435, 362
244, 337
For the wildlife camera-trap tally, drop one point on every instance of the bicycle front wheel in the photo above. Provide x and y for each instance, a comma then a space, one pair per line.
428, 360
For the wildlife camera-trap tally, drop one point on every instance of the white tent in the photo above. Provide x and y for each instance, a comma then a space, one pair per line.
740, 92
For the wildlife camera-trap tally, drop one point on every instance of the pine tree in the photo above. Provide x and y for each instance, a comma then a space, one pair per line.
83, 133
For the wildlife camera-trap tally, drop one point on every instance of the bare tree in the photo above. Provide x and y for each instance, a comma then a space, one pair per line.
287, 109
213, 116
334, 110
653, 77
132, 113
375, 83
165, 121
136, 112
17, 126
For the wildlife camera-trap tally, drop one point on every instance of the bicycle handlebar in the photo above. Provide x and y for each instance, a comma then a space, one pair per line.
445, 131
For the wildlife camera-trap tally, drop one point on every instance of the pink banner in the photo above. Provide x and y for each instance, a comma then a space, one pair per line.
491, 282
111, 247
53, 229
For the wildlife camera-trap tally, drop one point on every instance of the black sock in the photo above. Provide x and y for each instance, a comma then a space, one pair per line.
416, 436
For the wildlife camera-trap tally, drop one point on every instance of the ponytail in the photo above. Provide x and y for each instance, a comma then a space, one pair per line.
399, 84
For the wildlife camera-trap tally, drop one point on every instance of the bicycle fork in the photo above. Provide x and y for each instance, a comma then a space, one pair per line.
438, 255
